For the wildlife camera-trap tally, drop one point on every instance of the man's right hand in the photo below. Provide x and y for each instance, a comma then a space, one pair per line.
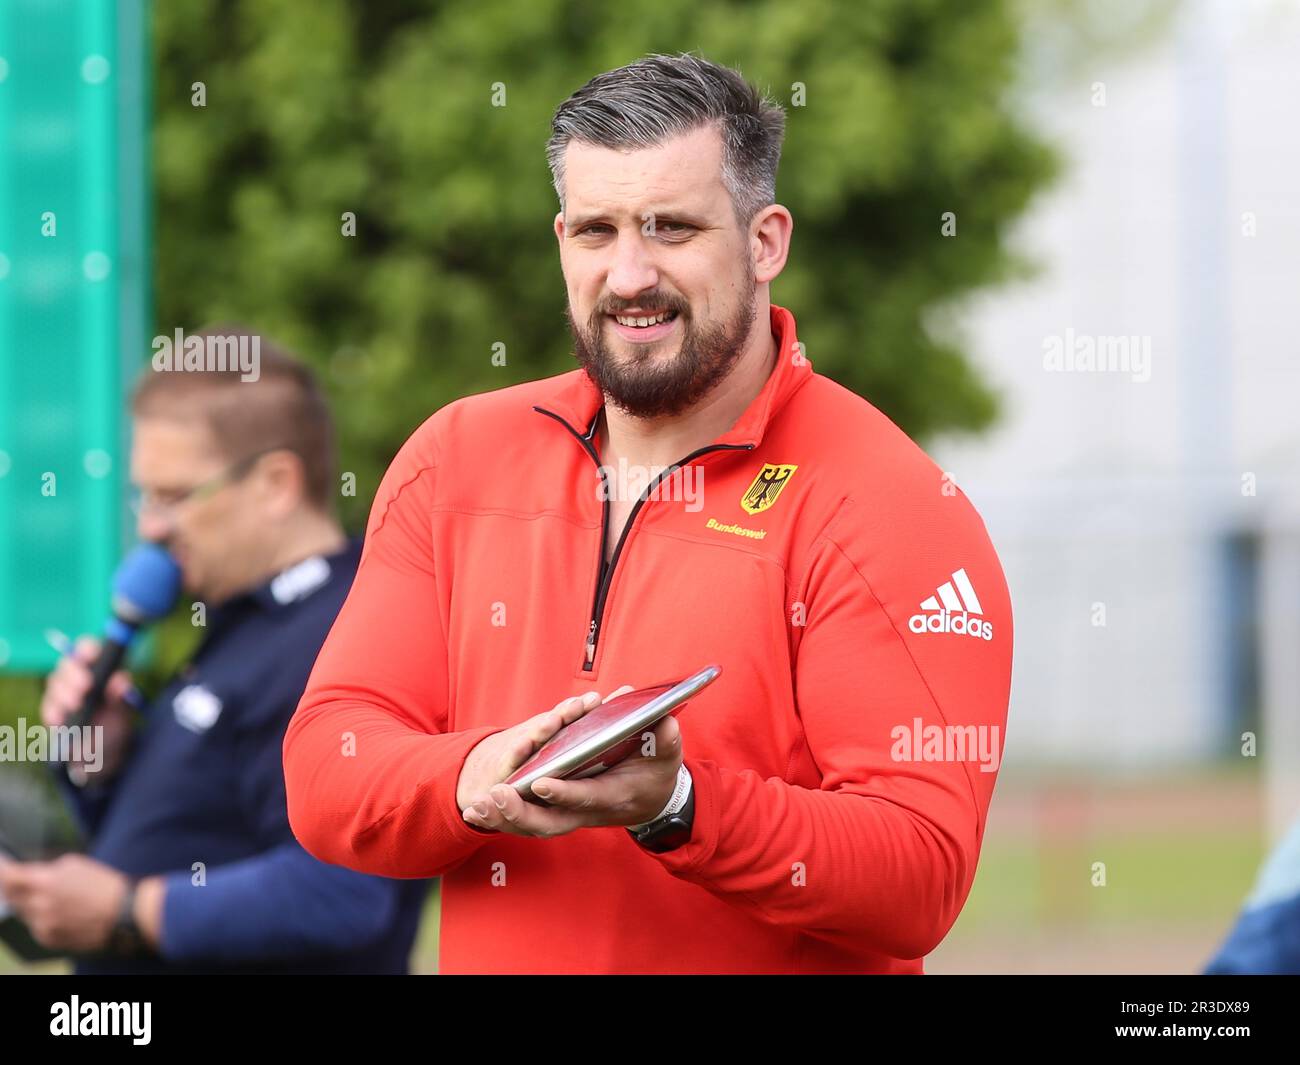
66, 690
493, 759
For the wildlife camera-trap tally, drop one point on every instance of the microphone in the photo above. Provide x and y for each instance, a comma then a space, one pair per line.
145, 588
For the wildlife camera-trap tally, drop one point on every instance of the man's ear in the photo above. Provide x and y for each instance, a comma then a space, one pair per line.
285, 478
559, 227
771, 241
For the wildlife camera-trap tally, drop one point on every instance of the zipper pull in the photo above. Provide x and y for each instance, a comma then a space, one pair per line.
591, 643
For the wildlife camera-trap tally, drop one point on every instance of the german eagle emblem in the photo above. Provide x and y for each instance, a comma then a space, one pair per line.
766, 487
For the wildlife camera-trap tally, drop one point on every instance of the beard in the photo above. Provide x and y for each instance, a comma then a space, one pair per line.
649, 383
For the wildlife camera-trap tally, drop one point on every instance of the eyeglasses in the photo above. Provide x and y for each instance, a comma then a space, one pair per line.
142, 501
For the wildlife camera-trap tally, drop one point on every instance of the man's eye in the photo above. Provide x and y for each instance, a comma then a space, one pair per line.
676, 227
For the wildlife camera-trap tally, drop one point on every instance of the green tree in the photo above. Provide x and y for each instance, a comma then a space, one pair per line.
384, 108
897, 113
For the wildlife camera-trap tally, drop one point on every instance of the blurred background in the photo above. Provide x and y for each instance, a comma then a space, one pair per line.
1053, 239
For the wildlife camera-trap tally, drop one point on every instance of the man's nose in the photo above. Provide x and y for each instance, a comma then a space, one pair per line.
152, 527
633, 269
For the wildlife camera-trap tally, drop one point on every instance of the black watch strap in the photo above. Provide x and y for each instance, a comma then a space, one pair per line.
126, 939
669, 832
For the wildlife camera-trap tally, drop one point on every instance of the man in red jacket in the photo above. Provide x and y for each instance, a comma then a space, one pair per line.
694, 493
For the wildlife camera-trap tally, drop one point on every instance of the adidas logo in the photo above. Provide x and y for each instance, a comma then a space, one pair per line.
947, 611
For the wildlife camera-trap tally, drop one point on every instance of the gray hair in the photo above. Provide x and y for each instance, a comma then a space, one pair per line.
660, 97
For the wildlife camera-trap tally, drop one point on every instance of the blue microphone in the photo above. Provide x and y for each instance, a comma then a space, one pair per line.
145, 588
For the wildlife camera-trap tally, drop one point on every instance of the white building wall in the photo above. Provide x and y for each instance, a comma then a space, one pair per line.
1101, 488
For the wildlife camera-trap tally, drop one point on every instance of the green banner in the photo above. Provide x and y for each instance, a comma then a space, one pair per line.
73, 308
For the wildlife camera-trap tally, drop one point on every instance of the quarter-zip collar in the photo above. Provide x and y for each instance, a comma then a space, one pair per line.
578, 400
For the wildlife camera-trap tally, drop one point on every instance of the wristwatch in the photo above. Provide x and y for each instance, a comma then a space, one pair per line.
672, 828
126, 940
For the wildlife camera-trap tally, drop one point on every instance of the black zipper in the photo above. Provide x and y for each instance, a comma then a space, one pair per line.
603, 582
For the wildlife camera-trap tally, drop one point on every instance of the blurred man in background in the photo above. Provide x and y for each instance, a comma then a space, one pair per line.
190, 863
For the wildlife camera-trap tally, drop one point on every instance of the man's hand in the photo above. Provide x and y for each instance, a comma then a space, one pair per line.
66, 689
495, 758
630, 793
72, 903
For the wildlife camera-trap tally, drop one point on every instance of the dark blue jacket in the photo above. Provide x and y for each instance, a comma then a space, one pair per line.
201, 800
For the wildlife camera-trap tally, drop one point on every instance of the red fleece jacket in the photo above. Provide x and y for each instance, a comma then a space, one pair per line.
843, 763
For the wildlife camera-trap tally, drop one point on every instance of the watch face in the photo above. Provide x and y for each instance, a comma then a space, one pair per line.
665, 835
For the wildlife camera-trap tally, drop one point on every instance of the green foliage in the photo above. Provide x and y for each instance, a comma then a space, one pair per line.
20, 697
385, 109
